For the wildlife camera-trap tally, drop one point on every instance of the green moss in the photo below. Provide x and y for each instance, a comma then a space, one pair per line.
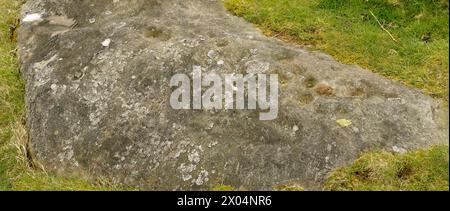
222, 187
348, 31
425, 169
293, 187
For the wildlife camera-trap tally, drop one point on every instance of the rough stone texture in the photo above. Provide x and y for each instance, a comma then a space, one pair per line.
104, 111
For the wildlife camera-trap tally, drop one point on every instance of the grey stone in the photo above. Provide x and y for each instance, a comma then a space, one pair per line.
103, 110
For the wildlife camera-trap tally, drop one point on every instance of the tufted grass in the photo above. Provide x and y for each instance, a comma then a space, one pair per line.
421, 170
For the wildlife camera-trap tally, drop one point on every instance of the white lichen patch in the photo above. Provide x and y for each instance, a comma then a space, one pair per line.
106, 43
194, 157
399, 150
67, 155
190, 42
35, 17
186, 171
256, 67
61, 21
92, 20
202, 178
43, 71
212, 54
94, 118
58, 90
213, 144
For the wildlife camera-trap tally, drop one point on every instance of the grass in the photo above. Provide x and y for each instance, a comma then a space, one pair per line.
15, 170
347, 30
422, 170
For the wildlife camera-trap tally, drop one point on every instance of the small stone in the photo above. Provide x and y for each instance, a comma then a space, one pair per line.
106, 43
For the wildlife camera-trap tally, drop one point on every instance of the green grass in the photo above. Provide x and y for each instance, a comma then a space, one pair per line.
426, 169
15, 170
11, 90
347, 30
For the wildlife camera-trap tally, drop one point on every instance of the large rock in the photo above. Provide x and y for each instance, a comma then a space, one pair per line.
101, 108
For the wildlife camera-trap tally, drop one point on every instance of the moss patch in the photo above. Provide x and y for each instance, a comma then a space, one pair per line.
293, 187
222, 187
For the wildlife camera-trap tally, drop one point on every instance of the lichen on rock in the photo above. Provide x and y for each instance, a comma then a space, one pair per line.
97, 89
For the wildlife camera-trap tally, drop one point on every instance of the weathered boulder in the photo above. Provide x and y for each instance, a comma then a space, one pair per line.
97, 90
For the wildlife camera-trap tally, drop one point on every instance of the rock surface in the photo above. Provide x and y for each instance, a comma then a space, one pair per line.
97, 89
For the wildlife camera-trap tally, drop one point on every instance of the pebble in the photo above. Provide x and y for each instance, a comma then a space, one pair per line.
106, 43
